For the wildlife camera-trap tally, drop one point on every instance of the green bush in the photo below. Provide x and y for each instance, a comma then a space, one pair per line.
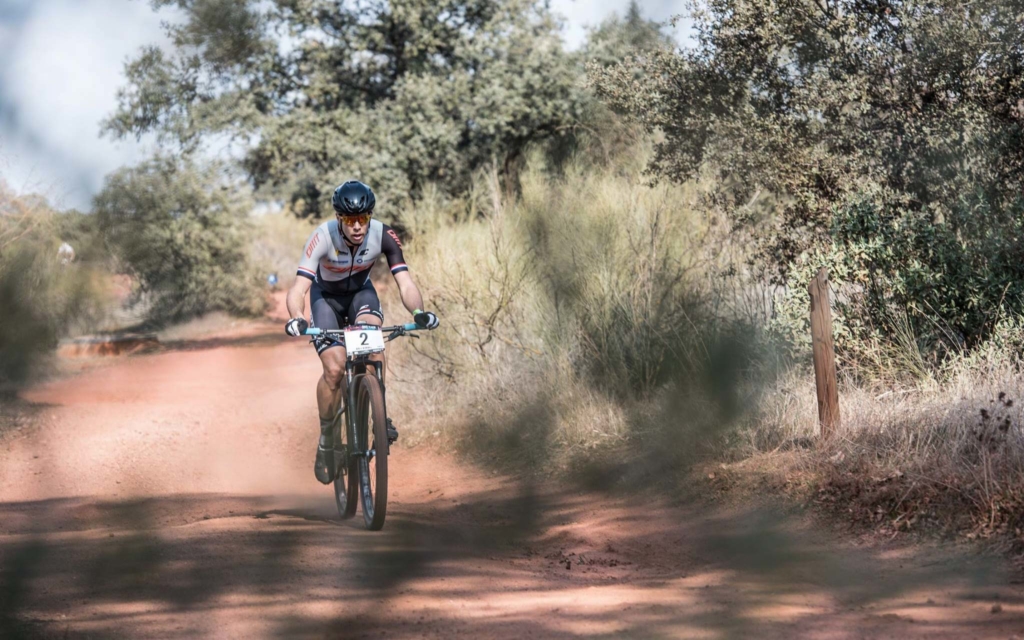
43, 300
910, 293
182, 232
950, 277
908, 187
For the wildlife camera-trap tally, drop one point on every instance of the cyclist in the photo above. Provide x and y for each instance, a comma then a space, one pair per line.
335, 269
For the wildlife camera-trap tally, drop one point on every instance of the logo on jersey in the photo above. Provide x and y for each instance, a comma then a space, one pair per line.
394, 236
312, 245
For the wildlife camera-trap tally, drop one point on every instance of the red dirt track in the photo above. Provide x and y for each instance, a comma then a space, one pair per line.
171, 495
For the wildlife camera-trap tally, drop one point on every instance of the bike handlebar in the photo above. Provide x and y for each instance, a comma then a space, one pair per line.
412, 326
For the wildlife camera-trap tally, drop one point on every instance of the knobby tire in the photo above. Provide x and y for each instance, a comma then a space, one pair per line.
371, 424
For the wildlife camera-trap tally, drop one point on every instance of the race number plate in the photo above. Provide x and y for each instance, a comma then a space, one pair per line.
363, 340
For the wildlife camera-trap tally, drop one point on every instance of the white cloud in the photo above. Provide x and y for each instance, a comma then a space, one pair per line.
58, 80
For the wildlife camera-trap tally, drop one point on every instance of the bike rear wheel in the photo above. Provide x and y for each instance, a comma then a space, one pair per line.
371, 424
346, 485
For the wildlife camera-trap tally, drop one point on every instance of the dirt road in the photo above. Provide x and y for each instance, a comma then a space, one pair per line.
172, 496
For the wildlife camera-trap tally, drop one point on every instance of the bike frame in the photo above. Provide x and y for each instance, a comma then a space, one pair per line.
355, 368
352, 377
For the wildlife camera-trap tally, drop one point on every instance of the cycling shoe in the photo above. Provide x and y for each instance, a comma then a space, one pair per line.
323, 468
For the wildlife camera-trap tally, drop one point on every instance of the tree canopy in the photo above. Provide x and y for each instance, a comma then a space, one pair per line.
887, 133
399, 93
182, 236
617, 38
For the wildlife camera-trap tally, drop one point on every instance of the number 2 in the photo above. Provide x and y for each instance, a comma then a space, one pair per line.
366, 337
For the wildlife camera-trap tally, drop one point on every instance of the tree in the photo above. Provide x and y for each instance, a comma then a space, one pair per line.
181, 232
886, 134
600, 137
398, 93
618, 39
43, 300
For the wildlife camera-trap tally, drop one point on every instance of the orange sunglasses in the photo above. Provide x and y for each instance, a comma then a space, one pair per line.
361, 219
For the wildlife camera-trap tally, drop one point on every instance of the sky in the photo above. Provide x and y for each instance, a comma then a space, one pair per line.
61, 63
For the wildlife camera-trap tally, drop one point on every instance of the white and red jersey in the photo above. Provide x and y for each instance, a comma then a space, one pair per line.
339, 268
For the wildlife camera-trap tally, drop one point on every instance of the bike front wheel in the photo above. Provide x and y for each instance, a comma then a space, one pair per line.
371, 424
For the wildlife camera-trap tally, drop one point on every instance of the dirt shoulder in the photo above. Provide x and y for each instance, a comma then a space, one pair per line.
171, 495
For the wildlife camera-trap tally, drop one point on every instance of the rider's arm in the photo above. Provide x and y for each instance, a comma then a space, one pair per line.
314, 249
411, 297
296, 299
391, 247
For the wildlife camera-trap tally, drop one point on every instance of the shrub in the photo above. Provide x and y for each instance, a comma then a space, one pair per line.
182, 232
42, 300
625, 266
909, 293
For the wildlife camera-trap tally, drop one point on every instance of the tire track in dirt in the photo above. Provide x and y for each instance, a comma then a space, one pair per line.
171, 495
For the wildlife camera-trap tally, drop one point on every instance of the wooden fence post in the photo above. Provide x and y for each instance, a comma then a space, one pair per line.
824, 354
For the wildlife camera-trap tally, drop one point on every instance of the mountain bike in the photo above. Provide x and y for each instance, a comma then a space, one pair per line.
360, 461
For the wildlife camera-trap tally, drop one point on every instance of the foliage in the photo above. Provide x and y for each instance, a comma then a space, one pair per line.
581, 313
43, 300
181, 231
953, 278
618, 39
400, 94
888, 132
82, 232
600, 139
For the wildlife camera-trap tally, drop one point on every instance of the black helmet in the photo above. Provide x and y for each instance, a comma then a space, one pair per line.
353, 198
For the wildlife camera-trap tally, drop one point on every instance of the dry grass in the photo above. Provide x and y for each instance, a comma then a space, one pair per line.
41, 298
584, 315
945, 453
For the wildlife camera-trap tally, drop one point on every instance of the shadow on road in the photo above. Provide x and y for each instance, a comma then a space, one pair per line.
510, 562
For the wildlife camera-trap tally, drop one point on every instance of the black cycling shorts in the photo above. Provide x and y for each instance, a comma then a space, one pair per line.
335, 312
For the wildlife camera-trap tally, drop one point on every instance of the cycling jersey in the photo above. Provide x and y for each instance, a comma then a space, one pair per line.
329, 261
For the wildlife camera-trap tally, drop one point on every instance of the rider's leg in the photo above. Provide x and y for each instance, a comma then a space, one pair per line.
381, 358
324, 315
328, 393
329, 387
327, 312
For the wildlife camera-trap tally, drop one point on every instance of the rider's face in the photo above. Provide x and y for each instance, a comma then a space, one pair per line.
354, 227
